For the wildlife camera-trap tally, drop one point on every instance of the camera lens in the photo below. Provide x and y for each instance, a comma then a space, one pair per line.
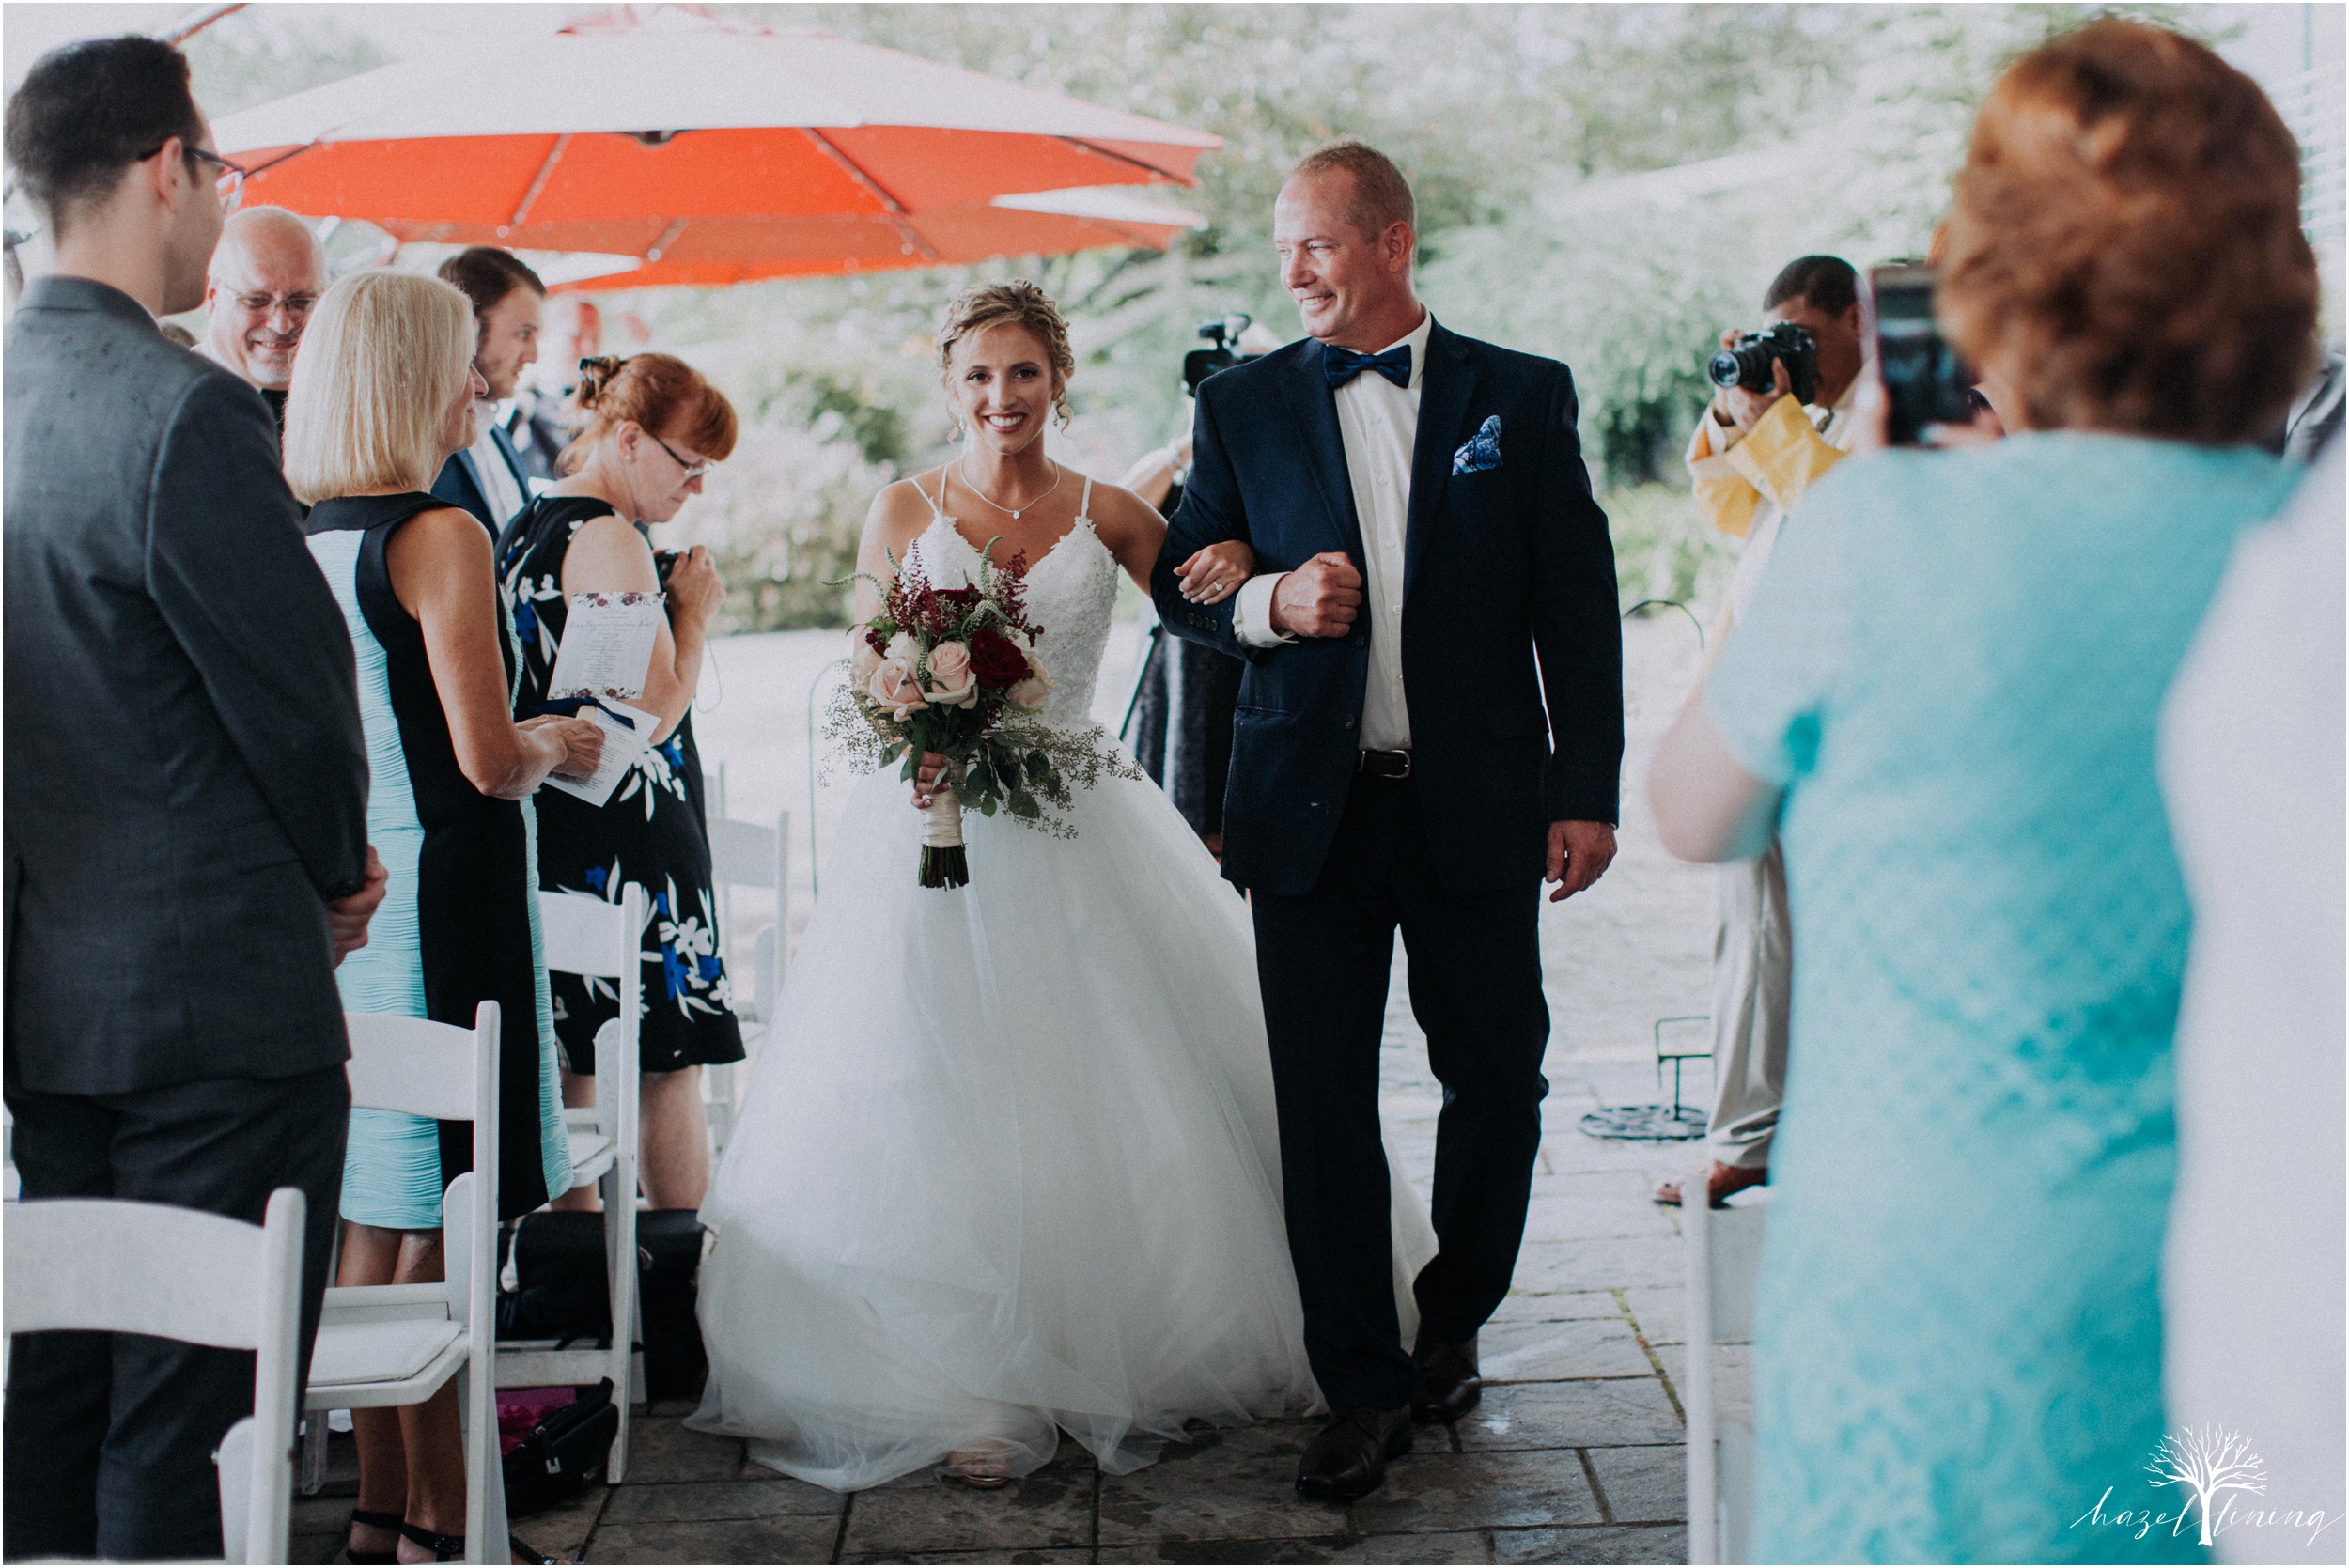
1724, 368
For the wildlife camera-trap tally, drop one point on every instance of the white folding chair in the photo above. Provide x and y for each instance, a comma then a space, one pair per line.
744, 854
1724, 1254
589, 936
381, 1345
122, 1267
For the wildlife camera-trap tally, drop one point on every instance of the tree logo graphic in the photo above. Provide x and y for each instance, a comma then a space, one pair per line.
2207, 1461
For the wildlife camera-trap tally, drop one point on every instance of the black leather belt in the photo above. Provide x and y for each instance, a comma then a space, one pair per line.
1385, 764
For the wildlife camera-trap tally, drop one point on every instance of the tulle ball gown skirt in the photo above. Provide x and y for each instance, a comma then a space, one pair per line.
1009, 1166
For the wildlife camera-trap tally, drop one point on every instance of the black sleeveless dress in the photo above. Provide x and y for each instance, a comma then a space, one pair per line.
653, 832
459, 921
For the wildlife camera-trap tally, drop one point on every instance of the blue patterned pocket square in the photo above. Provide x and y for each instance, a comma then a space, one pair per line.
1481, 451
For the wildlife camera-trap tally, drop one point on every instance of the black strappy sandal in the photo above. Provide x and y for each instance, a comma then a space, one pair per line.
375, 1520
451, 1548
445, 1549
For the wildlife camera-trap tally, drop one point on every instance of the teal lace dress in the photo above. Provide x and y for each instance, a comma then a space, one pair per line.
1954, 667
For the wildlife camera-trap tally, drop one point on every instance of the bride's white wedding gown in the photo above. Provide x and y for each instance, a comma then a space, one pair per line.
1007, 1164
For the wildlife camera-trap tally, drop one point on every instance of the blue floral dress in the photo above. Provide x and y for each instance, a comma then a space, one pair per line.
653, 832
1953, 667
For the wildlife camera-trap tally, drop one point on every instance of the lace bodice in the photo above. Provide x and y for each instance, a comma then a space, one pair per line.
1071, 591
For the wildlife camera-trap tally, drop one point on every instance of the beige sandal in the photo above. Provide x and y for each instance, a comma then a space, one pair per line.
979, 1470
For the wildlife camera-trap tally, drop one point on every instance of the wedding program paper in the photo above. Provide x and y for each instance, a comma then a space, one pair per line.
627, 732
607, 645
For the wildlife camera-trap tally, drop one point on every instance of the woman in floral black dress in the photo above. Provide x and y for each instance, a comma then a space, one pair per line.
653, 427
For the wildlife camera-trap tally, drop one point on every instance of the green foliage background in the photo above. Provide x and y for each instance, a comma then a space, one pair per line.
1609, 184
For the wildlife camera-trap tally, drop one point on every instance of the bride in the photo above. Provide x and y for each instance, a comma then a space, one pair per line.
1007, 1166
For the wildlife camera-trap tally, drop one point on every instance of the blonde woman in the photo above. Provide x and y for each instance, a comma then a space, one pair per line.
1008, 1167
383, 394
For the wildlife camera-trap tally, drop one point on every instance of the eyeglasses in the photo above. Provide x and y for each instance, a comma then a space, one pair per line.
229, 185
296, 305
232, 176
692, 470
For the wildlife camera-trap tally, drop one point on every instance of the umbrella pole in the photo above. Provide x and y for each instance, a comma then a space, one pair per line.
196, 23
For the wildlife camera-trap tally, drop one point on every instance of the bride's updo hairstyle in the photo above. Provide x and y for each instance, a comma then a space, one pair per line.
663, 395
1016, 303
2127, 242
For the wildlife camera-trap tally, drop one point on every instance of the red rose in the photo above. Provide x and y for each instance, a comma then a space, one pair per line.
996, 659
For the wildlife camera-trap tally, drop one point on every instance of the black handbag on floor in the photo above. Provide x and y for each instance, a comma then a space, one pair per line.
669, 1253
561, 1293
558, 1269
564, 1454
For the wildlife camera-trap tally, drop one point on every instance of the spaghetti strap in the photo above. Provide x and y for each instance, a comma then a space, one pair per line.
938, 508
1084, 505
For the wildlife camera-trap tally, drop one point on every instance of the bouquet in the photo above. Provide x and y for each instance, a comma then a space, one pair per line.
954, 671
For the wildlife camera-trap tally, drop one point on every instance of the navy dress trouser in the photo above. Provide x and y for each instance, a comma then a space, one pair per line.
109, 1437
1474, 964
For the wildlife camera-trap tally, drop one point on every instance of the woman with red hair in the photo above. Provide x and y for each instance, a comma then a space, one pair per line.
1945, 694
653, 427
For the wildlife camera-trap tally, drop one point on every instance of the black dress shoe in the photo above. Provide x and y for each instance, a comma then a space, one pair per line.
1448, 1387
1349, 1458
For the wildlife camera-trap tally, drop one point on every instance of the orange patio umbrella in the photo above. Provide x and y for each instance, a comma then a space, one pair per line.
710, 149
1048, 223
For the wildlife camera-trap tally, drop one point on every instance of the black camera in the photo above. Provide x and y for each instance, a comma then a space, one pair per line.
1200, 363
1747, 363
1926, 382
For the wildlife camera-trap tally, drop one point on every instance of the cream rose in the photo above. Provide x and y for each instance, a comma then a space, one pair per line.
904, 647
892, 685
863, 661
952, 684
1029, 693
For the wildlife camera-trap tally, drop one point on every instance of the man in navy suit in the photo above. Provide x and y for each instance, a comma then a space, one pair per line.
489, 478
1430, 724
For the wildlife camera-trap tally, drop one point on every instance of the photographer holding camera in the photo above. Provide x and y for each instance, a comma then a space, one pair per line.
1781, 416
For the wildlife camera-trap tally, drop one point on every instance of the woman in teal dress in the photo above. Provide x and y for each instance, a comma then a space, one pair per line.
381, 394
1946, 690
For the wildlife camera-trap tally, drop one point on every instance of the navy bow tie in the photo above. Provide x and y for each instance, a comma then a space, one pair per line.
1342, 366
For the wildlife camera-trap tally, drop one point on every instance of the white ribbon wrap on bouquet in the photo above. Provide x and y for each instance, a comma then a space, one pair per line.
942, 820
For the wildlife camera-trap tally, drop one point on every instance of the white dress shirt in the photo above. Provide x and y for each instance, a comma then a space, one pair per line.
1378, 423
498, 485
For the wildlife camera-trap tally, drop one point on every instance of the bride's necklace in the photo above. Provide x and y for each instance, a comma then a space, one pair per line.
999, 506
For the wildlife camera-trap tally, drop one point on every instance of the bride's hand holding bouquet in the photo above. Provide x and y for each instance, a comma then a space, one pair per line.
947, 680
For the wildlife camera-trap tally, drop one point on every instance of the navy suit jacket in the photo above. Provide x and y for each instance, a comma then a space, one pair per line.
460, 485
1512, 650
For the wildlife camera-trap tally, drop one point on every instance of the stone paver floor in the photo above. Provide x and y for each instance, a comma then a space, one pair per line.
1572, 1456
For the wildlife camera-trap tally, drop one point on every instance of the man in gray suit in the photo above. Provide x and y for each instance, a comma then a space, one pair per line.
185, 795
